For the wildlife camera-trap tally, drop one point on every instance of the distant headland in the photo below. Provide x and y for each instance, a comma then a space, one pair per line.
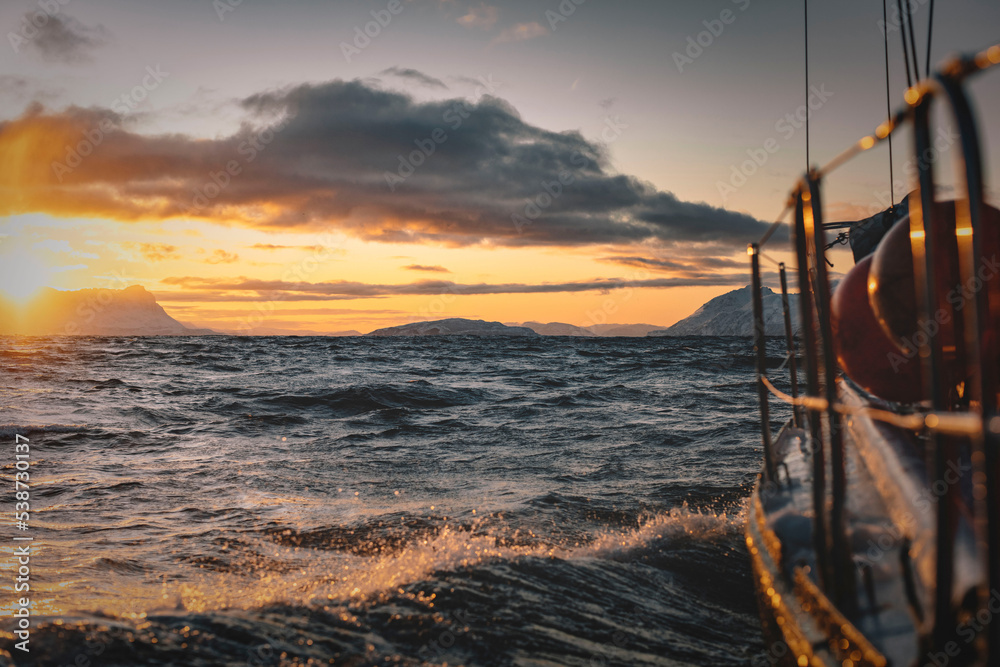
133, 311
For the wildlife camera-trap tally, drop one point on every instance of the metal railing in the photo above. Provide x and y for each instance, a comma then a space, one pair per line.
977, 344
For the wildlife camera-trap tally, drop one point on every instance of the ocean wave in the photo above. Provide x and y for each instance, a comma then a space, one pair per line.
260, 509
457, 596
366, 398
10, 430
376, 556
658, 531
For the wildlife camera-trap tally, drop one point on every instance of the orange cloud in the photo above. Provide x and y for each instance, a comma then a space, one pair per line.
521, 32
484, 16
155, 252
222, 257
271, 246
421, 267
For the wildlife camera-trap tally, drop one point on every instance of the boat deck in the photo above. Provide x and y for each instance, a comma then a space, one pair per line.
887, 594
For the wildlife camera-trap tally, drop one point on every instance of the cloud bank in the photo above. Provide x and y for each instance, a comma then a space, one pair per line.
346, 155
196, 288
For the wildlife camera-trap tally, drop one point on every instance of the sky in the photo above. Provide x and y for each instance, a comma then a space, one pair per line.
329, 166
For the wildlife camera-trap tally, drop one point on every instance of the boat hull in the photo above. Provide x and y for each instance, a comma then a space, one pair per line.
785, 630
801, 625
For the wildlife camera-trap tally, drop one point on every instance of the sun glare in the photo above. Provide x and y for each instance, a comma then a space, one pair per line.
21, 283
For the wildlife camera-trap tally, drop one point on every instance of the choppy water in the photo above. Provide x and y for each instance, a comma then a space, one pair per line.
353, 501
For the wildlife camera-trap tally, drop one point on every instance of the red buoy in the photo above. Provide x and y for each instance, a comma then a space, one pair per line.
863, 350
892, 290
892, 287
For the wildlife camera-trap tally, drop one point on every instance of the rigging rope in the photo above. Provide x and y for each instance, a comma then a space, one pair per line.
906, 48
967, 424
770, 259
888, 108
805, 13
930, 33
913, 41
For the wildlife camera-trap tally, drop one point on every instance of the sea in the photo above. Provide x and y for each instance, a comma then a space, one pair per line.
218, 500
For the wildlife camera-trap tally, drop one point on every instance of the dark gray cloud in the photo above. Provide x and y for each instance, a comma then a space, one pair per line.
382, 167
17, 86
688, 263
65, 39
414, 75
250, 289
21, 89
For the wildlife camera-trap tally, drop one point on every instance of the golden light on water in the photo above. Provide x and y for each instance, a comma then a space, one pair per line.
266, 572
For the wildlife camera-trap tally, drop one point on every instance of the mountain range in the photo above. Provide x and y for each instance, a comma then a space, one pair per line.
93, 312
134, 312
454, 326
731, 314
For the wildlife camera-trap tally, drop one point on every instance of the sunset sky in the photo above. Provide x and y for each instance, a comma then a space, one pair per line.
267, 162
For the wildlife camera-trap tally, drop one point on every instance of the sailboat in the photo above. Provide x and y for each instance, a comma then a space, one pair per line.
874, 526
